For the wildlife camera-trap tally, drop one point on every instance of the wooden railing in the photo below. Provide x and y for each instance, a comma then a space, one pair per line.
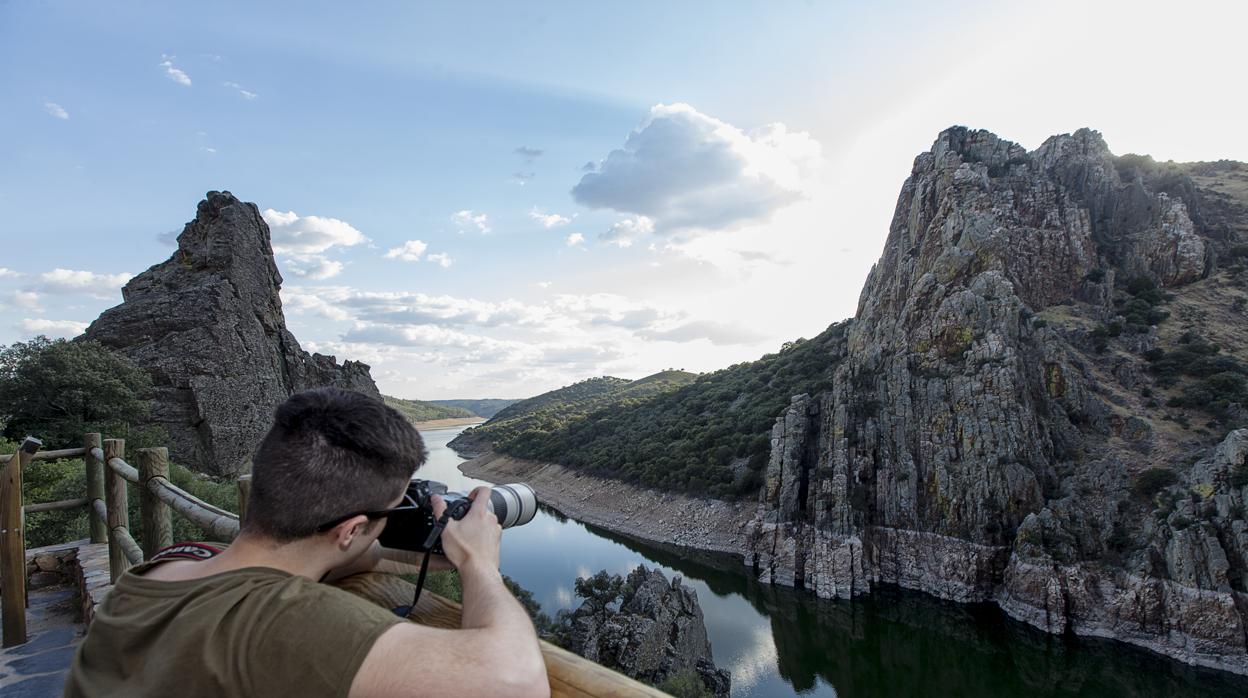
107, 473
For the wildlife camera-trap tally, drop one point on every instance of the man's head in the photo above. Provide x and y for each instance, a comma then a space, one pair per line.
330, 452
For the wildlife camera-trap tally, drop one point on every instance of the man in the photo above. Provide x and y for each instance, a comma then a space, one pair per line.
255, 619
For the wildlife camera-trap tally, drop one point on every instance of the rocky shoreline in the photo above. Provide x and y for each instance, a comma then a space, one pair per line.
636, 512
886, 556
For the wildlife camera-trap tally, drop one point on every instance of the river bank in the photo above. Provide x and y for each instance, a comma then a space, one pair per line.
448, 423
628, 510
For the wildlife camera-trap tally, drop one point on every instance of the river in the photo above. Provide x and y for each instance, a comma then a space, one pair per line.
781, 642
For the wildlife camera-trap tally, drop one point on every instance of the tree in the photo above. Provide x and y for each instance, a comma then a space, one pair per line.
58, 390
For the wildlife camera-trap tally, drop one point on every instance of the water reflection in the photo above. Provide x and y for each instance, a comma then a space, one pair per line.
780, 642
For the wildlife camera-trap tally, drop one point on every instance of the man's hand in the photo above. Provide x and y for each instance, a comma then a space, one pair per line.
474, 539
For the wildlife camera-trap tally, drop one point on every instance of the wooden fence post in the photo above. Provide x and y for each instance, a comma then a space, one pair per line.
117, 501
95, 487
154, 514
244, 492
13, 545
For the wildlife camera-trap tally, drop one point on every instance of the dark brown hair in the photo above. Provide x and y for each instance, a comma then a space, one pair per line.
330, 452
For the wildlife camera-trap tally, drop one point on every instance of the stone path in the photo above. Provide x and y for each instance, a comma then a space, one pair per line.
37, 669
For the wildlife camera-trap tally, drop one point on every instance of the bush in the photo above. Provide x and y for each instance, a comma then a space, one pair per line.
1152, 481
685, 684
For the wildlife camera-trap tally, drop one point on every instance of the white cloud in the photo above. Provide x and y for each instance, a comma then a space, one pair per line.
716, 332
443, 259
626, 231
574, 239
56, 110
53, 328
313, 267
469, 219
246, 94
409, 251
206, 149
72, 281
688, 171
6, 273
549, 220
25, 299
174, 73
296, 301
543, 284
295, 234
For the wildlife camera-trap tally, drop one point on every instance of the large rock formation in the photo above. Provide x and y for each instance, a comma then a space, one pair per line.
656, 631
207, 324
987, 432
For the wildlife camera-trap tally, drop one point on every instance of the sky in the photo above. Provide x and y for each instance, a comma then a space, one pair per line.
498, 199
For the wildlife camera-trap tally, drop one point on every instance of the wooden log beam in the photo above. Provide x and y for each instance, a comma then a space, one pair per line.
217, 523
121, 467
13, 546
117, 506
49, 455
155, 516
56, 506
93, 459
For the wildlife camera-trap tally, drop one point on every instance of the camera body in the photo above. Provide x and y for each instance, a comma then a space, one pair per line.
514, 505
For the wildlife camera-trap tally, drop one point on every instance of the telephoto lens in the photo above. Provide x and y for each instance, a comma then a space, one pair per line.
514, 504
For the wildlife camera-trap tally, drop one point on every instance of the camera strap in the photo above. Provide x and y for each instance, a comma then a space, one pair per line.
434, 534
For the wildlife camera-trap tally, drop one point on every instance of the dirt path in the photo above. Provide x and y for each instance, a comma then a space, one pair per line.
637, 512
447, 423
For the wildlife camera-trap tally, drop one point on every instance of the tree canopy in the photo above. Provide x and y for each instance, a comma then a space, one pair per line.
58, 390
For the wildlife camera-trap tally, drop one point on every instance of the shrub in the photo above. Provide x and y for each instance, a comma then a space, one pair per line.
1152, 481
685, 684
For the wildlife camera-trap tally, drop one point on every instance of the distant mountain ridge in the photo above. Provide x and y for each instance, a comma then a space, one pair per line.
421, 411
487, 407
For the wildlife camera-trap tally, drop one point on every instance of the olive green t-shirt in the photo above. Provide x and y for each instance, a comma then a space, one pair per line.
249, 632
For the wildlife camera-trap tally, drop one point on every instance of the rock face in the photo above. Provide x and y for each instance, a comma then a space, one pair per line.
656, 632
208, 325
980, 442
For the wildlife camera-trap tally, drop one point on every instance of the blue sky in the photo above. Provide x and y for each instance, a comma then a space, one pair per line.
424, 165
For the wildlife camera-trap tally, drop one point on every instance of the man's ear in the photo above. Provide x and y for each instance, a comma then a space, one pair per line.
346, 532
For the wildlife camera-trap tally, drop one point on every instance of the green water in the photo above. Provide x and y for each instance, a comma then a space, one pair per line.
781, 642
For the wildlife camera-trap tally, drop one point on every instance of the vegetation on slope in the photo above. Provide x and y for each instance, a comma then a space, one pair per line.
486, 408
708, 436
420, 411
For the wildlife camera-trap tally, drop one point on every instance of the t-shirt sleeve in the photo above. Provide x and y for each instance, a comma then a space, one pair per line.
311, 640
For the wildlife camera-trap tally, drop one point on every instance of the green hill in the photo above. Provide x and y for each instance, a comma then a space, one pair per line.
555, 409
420, 411
482, 408
708, 434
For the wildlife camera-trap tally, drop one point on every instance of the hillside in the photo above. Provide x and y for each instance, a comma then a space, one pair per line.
482, 408
709, 435
421, 411
526, 420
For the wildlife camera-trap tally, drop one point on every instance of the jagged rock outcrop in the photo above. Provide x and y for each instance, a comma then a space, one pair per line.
208, 325
982, 436
657, 631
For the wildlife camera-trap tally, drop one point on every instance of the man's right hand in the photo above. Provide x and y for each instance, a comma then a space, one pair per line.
473, 540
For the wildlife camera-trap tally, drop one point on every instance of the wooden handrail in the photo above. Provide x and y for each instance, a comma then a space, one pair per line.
124, 469
55, 506
217, 522
49, 455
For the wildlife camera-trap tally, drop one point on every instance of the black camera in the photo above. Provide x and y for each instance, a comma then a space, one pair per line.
408, 529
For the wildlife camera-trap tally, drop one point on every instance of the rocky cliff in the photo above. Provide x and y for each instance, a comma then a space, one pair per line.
651, 631
1012, 418
207, 324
